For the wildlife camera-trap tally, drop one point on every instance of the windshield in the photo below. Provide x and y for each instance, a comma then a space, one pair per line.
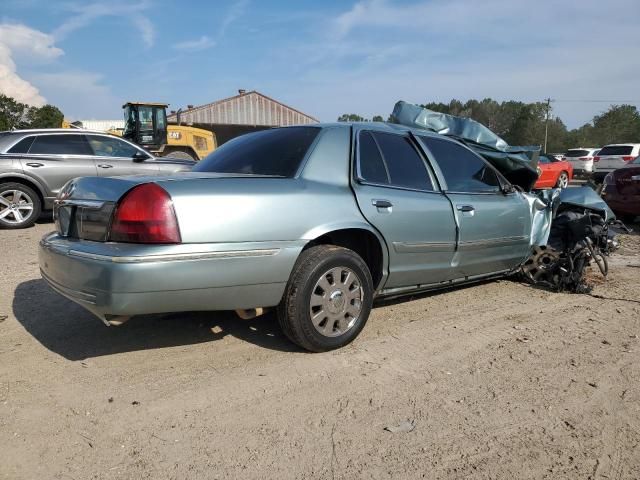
277, 152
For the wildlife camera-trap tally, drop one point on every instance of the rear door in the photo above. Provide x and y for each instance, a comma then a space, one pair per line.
54, 159
493, 227
115, 157
397, 193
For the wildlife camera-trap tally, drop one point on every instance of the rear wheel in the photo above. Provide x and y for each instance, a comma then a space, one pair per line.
20, 206
563, 180
327, 300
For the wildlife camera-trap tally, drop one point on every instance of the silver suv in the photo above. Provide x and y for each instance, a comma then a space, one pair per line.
35, 165
614, 156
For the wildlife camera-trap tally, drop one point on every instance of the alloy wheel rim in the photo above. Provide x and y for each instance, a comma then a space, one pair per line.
564, 180
15, 207
336, 302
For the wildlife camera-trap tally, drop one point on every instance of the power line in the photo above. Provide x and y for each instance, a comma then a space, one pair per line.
598, 101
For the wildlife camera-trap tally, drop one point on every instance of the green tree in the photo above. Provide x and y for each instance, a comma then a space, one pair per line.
619, 124
377, 118
12, 113
351, 117
47, 116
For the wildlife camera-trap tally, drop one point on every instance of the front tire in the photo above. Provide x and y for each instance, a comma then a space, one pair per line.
20, 206
563, 180
327, 300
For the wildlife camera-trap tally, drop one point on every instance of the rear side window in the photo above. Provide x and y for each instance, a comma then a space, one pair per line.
277, 152
462, 169
576, 153
61, 145
616, 150
22, 146
406, 167
372, 167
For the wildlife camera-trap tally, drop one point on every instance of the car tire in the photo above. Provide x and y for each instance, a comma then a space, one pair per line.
20, 206
563, 180
181, 154
319, 311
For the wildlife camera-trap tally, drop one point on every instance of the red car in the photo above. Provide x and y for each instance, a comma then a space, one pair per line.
621, 191
553, 173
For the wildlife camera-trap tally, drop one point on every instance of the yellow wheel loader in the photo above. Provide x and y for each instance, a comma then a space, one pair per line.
146, 125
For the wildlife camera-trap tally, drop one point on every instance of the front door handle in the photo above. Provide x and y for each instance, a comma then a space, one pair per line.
379, 203
465, 208
105, 165
35, 165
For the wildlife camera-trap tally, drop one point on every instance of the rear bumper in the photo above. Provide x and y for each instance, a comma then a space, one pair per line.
111, 279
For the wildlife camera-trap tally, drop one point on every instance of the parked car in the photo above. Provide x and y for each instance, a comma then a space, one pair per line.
581, 159
35, 164
553, 173
621, 190
615, 156
314, 220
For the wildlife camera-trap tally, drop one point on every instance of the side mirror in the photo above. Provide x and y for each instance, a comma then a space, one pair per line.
140, 157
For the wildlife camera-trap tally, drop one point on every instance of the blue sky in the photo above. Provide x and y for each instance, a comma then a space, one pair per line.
323, 57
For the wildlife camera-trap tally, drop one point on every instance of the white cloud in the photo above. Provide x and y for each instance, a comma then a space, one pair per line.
29, 44
79, 92
202, 43
84, 15
236, 11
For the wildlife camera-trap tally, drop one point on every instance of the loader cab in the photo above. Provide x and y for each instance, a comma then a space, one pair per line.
146, 124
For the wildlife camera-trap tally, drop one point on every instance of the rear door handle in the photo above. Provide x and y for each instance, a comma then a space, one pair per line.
105, 165
465, 208
381, 203
35, 165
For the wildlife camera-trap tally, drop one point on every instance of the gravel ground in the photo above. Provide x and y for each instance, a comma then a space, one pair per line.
496, 380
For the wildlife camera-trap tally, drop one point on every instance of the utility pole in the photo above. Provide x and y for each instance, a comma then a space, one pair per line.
546, 124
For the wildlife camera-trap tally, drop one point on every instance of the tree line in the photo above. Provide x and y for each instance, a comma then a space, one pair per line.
14, 114
520, 123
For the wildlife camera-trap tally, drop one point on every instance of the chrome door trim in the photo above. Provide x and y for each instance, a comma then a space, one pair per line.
423, 247
492, 242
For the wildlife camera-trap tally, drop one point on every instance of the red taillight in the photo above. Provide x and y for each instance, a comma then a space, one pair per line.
628, 158
145, 215
596, 159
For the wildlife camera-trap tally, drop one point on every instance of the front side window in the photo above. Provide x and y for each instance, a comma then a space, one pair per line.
111, 147
463, 170
278, 152
61, 145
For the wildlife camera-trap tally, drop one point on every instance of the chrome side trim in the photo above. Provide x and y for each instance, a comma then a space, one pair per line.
423, 247
175, 256
90, 204
492, 242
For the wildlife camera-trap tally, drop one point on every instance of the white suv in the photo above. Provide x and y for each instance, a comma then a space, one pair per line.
581, 159
615, 156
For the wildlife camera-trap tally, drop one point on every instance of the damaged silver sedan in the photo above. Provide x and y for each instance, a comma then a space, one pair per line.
316, 221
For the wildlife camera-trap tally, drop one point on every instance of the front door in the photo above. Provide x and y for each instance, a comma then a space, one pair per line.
396, 193
115, 157
493, 227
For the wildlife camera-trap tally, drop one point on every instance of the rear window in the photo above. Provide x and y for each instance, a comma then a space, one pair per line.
576, 153
616, 150
277, 152
22, 146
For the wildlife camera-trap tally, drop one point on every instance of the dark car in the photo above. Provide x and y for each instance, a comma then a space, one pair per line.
621, 191
36, 164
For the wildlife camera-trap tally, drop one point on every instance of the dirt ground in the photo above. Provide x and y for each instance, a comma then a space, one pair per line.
497, 380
